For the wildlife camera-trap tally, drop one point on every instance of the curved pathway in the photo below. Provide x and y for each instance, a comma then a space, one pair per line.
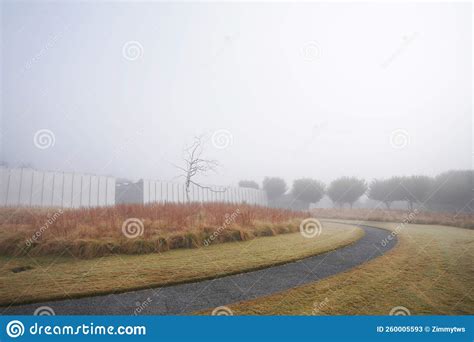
187, 298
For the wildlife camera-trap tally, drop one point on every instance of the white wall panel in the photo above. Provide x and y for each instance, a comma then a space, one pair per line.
100, 190
13, 188
47, 190
25, 190
94, 183
37, 188
110, 199
4, 180
56, 189
76, 190
66, 190
86, 181
153, 191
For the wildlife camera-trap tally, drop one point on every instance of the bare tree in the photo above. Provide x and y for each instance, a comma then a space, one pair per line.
196, 165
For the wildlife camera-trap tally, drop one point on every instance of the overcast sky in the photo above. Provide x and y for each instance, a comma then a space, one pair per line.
290, 90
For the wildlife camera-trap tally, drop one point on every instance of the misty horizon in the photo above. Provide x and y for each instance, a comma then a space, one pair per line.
288, 90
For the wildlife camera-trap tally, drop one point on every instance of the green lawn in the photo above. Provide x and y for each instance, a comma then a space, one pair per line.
67, 277
429, 272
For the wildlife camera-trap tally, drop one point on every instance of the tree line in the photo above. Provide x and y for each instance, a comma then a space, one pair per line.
451, 190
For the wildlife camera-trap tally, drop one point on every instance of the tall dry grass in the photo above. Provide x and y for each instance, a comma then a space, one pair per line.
94, 232
463, 220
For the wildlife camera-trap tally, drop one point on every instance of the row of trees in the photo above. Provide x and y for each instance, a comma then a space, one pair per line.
450, 190
307, 190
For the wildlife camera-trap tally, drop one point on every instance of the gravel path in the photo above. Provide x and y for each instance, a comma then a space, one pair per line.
187, 298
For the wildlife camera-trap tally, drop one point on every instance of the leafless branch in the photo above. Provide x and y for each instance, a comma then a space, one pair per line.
195, 165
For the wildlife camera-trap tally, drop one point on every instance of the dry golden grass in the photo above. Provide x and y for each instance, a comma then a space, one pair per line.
430, 271
463, 220
95, 232
66, 277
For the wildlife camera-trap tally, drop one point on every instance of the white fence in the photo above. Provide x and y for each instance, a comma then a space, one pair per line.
160, 191
34, 188
28, 187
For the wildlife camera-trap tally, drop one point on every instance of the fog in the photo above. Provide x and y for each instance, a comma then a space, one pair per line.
290, 90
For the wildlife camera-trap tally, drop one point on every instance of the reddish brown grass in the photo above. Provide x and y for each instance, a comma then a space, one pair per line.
93, 232
462, 220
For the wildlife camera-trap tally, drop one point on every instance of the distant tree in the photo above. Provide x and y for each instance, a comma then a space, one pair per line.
248, 184
395, 190
346, 190
308, 190
274, 187
335, 191
453, 189
387, 191
378, 191
416, 189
